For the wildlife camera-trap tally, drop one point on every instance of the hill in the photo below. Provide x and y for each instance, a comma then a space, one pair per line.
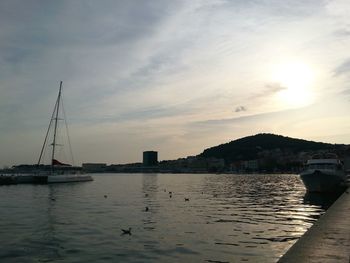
249, 148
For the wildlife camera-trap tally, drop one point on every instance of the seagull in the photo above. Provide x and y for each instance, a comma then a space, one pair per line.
126, 231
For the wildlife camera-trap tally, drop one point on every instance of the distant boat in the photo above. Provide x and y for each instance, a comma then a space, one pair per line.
324, 173
57, 171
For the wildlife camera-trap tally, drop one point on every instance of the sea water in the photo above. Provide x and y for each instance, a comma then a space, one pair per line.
189, 218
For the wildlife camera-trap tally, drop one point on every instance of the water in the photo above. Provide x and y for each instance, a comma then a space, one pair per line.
228, 218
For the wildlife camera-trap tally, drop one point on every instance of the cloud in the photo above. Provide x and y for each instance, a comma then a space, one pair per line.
268, 90
345, 93
339, 10
342, 69
272, 88
154, 65
242, 119
342, 33
240, 108
151, 113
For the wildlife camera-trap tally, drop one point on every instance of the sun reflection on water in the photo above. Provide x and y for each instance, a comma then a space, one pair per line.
190, 218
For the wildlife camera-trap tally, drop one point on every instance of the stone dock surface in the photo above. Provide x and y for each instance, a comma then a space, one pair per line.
328, 240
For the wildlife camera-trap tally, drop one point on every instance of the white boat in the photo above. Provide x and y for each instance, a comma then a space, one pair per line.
68, 178
324, 173
60, 172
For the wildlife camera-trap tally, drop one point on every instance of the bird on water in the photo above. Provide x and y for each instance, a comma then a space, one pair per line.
126, 231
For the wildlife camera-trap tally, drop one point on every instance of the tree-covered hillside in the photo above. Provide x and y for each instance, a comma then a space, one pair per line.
248, 148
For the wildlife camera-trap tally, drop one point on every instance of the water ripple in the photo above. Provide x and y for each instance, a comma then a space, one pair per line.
227, 218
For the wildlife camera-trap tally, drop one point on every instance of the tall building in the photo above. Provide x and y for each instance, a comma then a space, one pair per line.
150, 158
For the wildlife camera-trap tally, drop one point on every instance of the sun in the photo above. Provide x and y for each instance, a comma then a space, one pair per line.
296, 80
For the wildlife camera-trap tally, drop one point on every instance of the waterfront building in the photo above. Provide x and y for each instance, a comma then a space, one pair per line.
94, 167
251, 165
215, 163
150, 158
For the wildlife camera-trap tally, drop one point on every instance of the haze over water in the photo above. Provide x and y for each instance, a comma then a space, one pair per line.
228, 218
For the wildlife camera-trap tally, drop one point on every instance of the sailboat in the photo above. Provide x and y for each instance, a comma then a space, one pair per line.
59, 172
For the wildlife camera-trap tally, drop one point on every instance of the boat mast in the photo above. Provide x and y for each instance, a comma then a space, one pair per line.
55, 129
47, 134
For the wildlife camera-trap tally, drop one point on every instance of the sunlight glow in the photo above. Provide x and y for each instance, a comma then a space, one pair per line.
297, 79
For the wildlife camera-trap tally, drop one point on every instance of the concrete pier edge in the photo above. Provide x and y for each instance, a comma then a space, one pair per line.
328, 240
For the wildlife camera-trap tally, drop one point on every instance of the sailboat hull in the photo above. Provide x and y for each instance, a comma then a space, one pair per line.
31, 179
43, 179
68, 178
22, 179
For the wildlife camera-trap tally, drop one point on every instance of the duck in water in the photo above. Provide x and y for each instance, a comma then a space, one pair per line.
126, 231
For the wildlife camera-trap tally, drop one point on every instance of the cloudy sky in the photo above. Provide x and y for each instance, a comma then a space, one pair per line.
171, 76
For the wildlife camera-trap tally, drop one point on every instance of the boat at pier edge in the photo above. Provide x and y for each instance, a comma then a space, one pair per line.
56, 171
324, 173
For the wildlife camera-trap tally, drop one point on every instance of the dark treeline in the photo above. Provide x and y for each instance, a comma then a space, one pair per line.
252, 147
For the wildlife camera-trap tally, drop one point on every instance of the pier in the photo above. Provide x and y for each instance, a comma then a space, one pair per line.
328, 240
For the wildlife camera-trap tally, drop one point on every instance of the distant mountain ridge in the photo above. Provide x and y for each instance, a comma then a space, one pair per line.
248, 148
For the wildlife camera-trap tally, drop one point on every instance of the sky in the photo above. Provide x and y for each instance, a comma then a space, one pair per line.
176, 77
